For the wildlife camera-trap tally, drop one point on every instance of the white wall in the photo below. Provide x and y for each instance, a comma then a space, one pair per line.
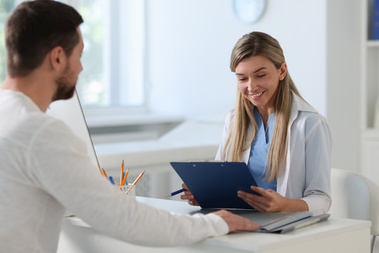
343, 79
190, 41
189, 46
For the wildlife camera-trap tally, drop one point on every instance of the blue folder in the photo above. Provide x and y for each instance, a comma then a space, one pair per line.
215, 184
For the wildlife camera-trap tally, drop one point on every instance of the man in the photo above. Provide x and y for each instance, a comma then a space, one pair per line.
45, 169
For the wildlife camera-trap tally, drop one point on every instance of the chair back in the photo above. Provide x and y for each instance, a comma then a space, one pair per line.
355, 197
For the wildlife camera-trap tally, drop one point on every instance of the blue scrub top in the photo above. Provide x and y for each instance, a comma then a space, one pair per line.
259, 150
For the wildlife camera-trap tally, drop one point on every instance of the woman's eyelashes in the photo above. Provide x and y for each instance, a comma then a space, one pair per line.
244, 78
260, 75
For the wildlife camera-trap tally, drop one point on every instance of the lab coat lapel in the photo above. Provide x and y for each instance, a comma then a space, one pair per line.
298, 104
282, 181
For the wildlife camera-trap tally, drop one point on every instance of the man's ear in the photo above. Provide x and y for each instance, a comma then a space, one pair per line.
58, 58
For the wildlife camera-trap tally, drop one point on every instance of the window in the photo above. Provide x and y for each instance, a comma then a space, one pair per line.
113, 34
6, 6
112, 81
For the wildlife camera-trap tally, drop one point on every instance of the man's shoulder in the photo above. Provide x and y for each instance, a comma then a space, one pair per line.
38, 123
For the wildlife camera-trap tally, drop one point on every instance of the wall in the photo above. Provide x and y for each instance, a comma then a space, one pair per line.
189, 46
343, 72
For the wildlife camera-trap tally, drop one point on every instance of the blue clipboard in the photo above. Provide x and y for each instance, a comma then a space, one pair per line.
215, 184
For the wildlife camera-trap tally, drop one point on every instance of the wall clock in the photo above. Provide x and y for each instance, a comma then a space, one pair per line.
249, 11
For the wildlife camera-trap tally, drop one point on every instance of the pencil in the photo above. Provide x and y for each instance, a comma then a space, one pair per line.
105, 174
138, 178
122, 172
125, 176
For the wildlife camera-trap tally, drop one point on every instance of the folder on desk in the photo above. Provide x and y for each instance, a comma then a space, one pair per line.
215, 184
284, 222
277, 222
296, 224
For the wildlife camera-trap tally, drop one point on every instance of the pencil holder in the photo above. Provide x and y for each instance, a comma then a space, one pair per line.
129, 190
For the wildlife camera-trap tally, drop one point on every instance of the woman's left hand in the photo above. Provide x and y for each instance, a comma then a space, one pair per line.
269, 201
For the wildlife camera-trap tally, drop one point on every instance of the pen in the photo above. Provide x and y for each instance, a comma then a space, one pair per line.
123, 182
177, 192
138, 178
111, 179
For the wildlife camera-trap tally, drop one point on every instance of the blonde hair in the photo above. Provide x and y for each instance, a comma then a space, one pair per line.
253, 44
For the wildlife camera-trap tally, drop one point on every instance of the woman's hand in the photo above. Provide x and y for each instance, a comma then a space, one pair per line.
271, 201
188, 195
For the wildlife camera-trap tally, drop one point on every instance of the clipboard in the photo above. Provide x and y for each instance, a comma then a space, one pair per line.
215, 184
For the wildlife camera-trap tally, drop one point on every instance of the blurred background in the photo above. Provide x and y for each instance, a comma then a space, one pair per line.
156, 83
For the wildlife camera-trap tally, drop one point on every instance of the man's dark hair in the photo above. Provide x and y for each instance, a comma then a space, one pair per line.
36, 27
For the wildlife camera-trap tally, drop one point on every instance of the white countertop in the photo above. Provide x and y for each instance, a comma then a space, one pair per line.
193, 140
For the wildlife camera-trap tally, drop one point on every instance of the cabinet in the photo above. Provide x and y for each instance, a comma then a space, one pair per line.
370, 94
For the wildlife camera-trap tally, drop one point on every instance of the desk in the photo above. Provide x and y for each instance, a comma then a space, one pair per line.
334, 235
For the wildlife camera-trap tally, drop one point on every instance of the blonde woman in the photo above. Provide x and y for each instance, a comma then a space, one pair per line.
283, 140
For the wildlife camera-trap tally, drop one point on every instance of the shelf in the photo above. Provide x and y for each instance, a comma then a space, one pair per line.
371, 133
373, 43
370, 93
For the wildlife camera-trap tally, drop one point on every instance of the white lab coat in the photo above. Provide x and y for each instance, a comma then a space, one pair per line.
307, 173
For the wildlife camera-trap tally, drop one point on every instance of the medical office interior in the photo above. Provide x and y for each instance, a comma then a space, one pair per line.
180, 63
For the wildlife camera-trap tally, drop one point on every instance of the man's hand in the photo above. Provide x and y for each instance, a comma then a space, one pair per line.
237, 223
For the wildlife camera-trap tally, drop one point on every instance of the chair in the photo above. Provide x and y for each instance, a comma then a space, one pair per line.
355, 197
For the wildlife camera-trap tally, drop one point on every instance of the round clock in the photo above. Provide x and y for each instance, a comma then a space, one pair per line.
249, 11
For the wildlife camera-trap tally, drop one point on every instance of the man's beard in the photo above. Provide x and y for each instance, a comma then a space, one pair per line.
64, 91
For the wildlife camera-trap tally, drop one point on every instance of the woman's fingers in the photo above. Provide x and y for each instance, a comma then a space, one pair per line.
188, 196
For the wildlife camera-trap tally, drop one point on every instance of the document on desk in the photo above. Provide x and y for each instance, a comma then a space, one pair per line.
286, 222
277, 222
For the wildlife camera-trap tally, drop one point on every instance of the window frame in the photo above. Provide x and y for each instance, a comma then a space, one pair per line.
112, 67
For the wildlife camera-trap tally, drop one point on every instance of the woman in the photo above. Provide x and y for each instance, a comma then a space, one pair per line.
284, 141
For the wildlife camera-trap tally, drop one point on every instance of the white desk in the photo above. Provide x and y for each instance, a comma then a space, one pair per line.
334, 235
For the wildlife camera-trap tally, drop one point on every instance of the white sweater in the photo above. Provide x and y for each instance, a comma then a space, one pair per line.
44, 170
